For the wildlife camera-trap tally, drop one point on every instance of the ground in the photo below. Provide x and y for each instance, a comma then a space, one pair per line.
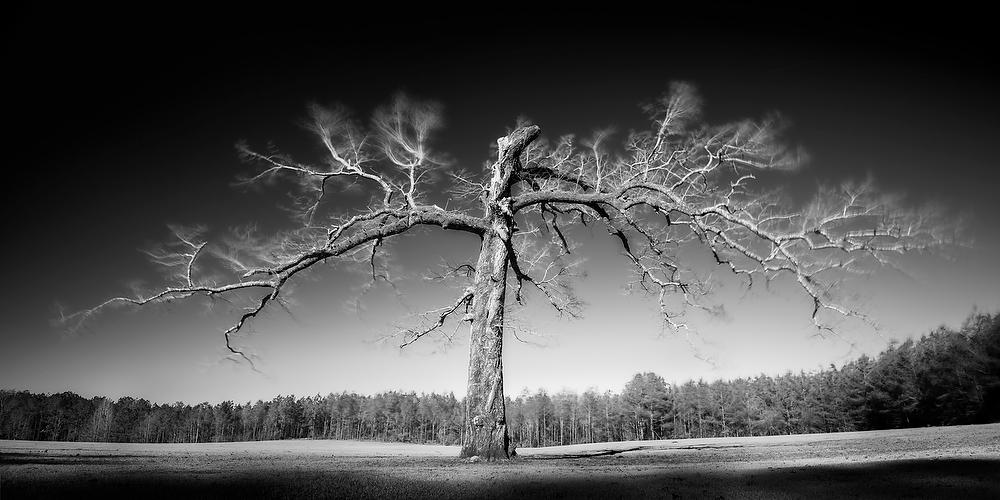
946, 462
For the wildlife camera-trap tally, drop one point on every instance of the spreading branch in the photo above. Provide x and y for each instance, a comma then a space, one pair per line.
659, 192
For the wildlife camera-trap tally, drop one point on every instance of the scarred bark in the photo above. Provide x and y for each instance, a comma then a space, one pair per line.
485, 412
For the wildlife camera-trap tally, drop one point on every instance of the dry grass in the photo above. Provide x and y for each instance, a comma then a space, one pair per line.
917, 463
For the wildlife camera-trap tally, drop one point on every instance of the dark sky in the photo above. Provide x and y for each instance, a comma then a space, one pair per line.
119, 121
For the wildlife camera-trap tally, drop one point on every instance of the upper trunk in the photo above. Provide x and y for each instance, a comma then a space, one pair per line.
485, 410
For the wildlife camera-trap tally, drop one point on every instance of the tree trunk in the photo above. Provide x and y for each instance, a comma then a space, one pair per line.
486, 432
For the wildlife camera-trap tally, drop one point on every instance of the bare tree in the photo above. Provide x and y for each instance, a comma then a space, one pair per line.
683, 184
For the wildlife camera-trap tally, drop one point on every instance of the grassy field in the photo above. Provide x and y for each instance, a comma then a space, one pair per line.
947, 462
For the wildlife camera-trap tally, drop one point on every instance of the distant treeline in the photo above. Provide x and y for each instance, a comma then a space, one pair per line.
947, 377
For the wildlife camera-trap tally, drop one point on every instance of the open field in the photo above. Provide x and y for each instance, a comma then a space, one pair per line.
947, 462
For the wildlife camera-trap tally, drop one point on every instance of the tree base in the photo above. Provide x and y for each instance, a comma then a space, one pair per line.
492, 445
490, 454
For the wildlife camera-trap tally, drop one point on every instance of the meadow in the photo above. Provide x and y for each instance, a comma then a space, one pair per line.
937, 462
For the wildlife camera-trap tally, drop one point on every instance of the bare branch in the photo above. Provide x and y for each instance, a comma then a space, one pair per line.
685, 182
436, 318
659, 192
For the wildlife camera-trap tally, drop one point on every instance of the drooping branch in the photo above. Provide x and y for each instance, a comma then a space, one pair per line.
393, 157
681, 184
550, 275
435, 319
391, 224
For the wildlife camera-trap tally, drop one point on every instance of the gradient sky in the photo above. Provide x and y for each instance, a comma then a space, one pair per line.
123, 122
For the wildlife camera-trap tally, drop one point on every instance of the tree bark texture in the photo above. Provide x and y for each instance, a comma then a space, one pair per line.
485, 410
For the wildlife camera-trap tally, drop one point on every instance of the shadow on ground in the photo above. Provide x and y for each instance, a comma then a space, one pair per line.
584, 478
